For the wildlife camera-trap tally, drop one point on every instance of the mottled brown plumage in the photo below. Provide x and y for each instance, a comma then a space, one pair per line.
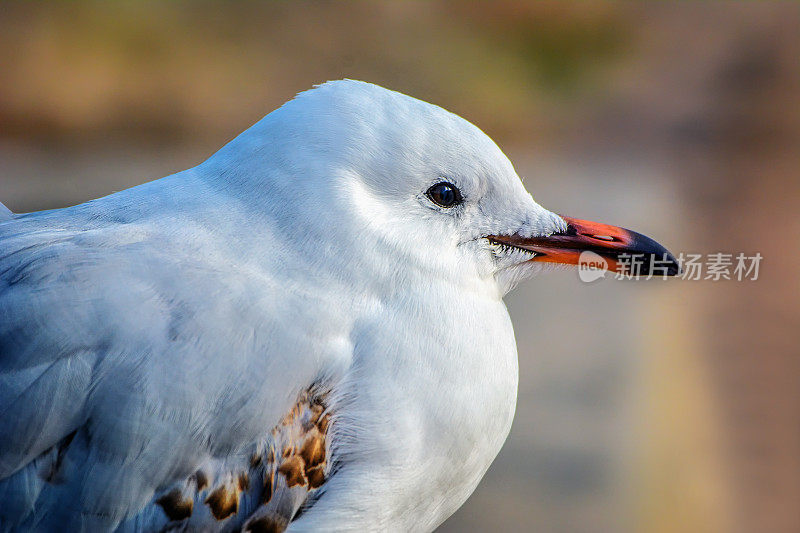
293, 469
313, 450
280, 482
175, 506
269, 486
316, 476
322, 426
223, 502
201, 480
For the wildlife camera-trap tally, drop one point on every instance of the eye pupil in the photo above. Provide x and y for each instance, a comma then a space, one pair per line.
444, 194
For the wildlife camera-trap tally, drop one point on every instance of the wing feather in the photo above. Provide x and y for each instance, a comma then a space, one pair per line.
128, 360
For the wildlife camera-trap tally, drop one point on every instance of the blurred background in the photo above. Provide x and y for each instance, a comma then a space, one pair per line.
655, 406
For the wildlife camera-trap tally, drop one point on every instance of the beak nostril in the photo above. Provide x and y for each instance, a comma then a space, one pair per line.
607, 238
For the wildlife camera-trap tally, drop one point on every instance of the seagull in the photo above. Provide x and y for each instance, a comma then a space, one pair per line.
305, 332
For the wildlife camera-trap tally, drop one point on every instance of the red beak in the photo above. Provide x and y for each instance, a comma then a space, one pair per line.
625, 251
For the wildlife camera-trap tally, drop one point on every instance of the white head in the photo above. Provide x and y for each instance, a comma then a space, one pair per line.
379, 173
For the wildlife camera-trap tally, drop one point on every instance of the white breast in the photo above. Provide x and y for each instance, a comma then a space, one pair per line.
424, 411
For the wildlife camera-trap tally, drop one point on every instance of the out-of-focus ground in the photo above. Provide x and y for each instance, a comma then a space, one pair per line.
655, 406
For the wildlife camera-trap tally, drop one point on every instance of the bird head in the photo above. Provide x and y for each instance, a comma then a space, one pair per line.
381, 174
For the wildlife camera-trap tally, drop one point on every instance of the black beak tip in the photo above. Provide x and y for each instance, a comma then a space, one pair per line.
664, 262
659, 261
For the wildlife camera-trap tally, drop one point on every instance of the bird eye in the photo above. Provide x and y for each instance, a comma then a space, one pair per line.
444, 194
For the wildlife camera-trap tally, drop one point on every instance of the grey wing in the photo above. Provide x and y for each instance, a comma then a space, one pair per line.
124, 367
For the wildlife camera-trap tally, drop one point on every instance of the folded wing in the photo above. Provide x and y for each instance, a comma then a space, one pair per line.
129, 362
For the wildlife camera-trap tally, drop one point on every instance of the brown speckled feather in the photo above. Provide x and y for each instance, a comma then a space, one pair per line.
265, 491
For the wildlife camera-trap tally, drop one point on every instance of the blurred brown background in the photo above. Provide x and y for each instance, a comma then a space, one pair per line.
644, 406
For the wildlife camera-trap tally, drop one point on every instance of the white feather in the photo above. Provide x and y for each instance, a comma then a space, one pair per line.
175, 323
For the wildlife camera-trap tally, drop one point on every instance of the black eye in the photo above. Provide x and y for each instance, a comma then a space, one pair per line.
444, 194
